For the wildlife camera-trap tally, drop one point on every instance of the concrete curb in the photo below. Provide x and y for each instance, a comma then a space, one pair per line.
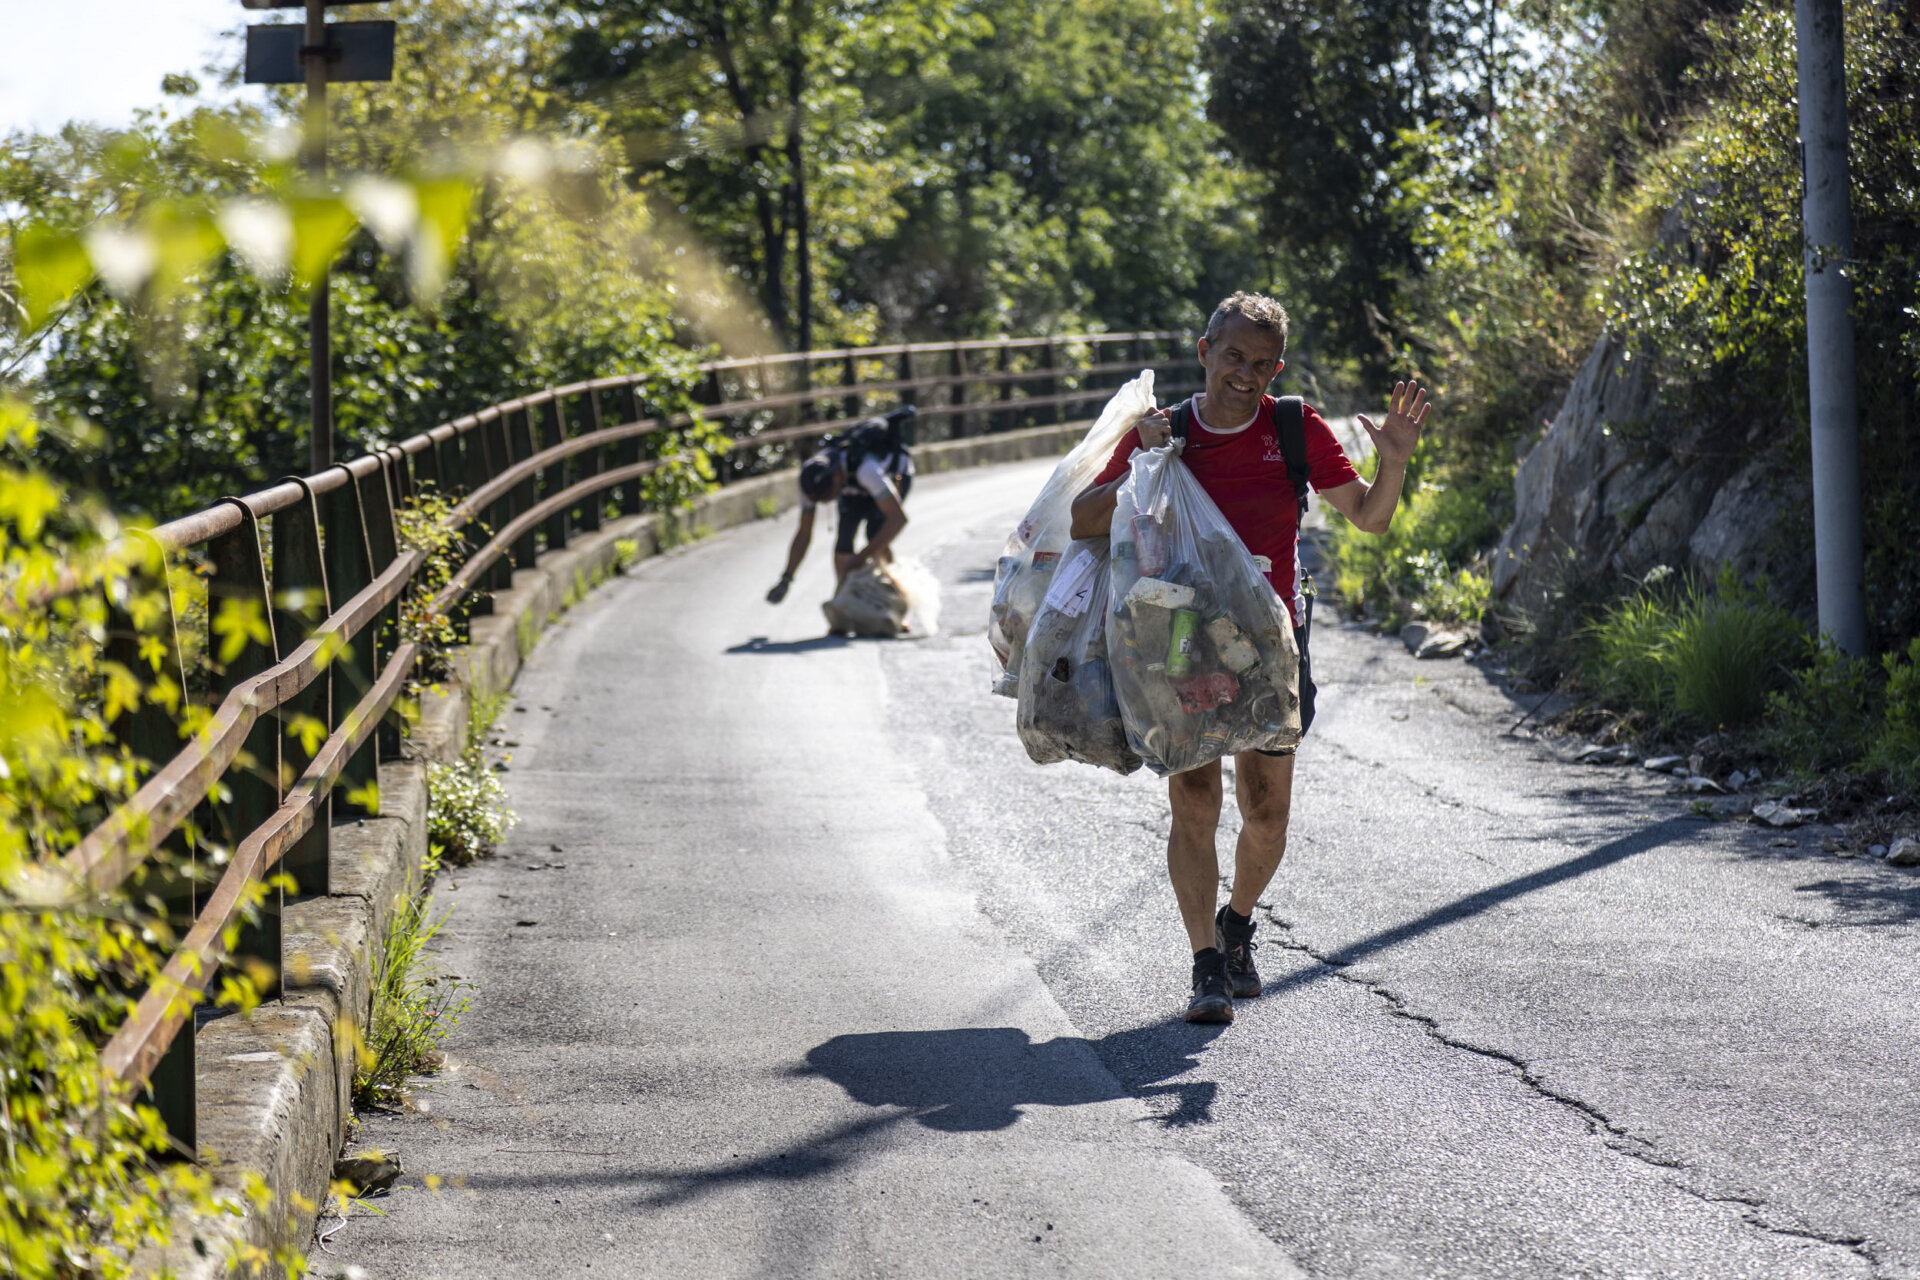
274, 1086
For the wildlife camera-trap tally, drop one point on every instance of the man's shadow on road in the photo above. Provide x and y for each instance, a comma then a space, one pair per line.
967, 1080
978, 1078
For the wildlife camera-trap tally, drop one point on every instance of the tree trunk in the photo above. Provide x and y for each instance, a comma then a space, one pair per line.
797, 189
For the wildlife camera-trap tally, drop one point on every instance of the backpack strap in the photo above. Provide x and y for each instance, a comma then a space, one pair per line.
1290, 424
1182, 420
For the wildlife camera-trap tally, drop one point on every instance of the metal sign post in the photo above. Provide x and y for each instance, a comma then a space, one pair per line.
313, 54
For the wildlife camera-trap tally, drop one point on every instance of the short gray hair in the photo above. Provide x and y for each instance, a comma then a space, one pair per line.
1256, 308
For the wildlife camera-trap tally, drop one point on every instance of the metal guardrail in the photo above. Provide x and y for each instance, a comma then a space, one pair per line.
530, 474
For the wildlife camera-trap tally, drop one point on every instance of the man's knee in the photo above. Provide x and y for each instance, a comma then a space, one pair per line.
1196, 794
1264, 786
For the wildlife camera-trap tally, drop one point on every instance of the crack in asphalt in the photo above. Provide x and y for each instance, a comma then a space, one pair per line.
1615, 1136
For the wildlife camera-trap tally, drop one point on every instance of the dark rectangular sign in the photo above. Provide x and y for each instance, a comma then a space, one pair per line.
355, 51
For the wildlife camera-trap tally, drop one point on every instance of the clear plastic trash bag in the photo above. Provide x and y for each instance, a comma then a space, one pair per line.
868, 603
1067, 706
1033, 552
1199, 644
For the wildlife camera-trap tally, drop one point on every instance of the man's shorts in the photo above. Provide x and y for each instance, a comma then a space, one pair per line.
1306, 686
857, 509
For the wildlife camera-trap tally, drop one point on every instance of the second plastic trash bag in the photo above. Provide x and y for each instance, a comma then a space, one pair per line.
1033, 552
1067, 706
1200, 646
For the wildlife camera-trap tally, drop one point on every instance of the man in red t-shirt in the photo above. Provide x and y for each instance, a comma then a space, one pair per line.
1234, 451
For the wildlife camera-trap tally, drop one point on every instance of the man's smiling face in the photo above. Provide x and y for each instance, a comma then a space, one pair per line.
1240, 363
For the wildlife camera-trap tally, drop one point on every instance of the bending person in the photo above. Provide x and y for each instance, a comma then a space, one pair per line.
866, 472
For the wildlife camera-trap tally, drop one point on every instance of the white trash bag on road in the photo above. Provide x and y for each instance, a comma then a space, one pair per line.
1068, 710
1033, 551
868, 603
1200, 645
899, 599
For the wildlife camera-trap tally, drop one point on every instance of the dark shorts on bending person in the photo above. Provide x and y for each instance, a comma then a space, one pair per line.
1307, 689
858, 509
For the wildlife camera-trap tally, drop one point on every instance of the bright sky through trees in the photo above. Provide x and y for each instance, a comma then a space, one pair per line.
100, 60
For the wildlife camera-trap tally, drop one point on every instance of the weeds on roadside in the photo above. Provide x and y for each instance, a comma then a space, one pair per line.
414, 1007
425, 523
1427, 565
467, 810
1687, 656
1850, 713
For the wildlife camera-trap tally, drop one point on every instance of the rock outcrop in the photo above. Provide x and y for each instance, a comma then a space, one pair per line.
1615, 487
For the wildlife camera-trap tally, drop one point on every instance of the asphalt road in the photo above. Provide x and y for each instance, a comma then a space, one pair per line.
834, 982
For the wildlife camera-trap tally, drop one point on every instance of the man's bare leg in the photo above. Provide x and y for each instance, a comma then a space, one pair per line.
1264, 787
1192, 863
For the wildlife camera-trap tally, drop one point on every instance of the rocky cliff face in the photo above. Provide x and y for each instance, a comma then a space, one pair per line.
1615, 488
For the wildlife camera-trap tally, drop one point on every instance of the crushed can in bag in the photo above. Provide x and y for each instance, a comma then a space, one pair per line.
1201, 651
1032, 552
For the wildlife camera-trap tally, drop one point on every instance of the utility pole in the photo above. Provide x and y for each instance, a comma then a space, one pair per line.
313, 57
1827, 222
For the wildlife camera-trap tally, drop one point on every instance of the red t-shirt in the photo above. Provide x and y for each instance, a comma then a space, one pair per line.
1245, 474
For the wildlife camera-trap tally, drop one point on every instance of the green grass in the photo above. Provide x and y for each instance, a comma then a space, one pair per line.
1689, 657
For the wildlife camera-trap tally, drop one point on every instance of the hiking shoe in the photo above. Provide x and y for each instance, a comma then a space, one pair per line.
1237, 944
1212, 996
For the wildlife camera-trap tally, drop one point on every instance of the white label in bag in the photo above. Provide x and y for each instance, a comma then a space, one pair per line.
1073, 584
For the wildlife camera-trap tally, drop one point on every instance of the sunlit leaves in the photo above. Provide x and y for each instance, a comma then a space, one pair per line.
51, 266
170, 242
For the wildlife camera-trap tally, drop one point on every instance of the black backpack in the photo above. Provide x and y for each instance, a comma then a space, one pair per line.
1290, 424
882, 438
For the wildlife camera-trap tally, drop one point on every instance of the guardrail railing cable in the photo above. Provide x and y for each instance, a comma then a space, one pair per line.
328, 575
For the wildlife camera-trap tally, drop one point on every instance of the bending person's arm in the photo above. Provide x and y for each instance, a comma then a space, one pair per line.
796, 552
894, 519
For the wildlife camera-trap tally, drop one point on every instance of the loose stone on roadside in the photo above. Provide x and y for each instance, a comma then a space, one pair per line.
368, 1172
1904, 852
1424, 640
1775, 814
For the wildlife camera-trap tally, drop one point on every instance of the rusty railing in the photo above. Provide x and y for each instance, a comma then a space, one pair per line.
321, 559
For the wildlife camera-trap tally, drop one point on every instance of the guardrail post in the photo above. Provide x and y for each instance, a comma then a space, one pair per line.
349, 569
629, 449
907, 394
803, 375
850, 404
553, 476
300, 604
521, 446
590, 466
473, 471
240, 580
403, 482
383, 548
1004, 367
151, 733
500, 456
1050, 362
432, 466
957, 392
